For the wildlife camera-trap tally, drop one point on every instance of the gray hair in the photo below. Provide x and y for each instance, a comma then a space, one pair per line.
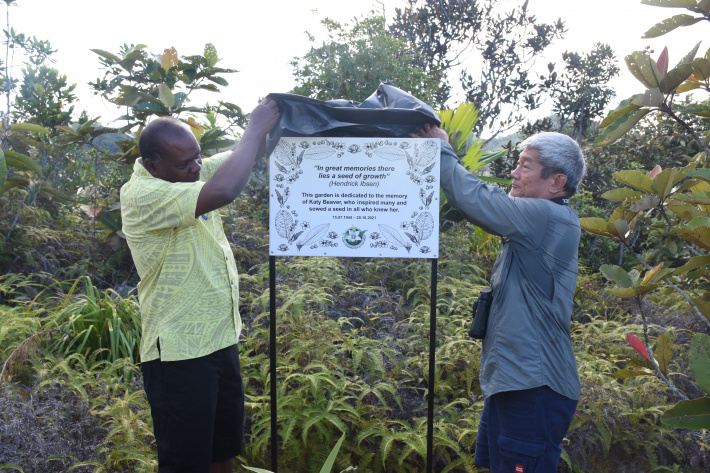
559, 154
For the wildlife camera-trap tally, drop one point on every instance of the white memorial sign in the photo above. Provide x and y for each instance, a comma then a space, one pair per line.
365, 197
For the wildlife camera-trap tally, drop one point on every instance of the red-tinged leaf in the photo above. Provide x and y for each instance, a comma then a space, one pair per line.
638, 345
662, 63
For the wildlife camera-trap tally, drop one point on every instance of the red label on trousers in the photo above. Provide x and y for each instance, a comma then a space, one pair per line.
519, 469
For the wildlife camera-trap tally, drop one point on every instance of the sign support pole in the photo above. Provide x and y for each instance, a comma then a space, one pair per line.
272, 363
432, 370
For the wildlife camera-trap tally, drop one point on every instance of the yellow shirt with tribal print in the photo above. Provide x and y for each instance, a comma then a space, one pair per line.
189, 288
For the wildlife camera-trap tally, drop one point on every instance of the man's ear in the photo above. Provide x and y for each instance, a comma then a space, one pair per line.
558, 183
149, 165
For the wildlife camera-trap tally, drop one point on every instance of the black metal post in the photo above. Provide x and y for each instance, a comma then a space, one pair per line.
432, 371
272, 362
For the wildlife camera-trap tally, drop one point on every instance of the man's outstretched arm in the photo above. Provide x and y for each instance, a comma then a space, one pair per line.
231, 177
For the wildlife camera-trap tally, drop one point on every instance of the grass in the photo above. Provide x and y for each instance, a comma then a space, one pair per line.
352, 362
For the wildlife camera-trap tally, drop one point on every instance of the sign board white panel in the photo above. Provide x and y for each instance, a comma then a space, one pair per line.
362, 197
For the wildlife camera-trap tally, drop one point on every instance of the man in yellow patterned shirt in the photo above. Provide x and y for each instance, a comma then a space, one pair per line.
188, 289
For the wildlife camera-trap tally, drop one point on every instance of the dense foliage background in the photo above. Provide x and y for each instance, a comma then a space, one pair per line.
353, 333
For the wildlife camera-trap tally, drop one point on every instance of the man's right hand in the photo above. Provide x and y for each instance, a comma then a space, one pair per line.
263, 117
430, 131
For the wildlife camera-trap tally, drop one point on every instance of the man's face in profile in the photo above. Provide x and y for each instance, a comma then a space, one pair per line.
181, 159
527, 177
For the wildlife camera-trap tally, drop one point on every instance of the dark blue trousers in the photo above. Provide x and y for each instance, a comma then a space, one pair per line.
522, 431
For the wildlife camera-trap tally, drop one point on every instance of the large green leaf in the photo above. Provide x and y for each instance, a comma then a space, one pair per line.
107, 55
620, 126
694, 263
688, 58
675, 77
617, 274
699, 222
59, 195
9, 185
702, 67
644, 68
166, 96
29, 127
3, 169
669, 24
67, 129
688, 86
651, 98
596, 225
699, 358
645, 203
637, 179
622, 229
702, 305
621, 194
703, 173
631, 373
636, 291
664, 182
663, 352
699, 236
700, 109
624, 107
210, 54
693, 414
25, 160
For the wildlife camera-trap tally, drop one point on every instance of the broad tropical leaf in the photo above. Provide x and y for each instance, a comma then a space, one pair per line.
699, 358
621, 194
663, 352
669, 24
617, 274
620, 126
694, 414
29, 127
166, 96
645, 203
633, 178
596, 225
694, 263
644, 68
676, 77
624, 107
663, 183
25, 161
700, 109
651, 98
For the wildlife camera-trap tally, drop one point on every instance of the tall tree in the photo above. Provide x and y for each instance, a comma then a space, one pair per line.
506, 45
581, 92
355, 58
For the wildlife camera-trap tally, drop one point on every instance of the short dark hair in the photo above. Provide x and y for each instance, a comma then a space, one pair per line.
152, 139
559, 154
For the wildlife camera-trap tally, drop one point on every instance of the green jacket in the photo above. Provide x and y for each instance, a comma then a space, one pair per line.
527, 343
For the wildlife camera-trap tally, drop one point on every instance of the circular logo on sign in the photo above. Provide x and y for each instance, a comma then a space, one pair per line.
354, 237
